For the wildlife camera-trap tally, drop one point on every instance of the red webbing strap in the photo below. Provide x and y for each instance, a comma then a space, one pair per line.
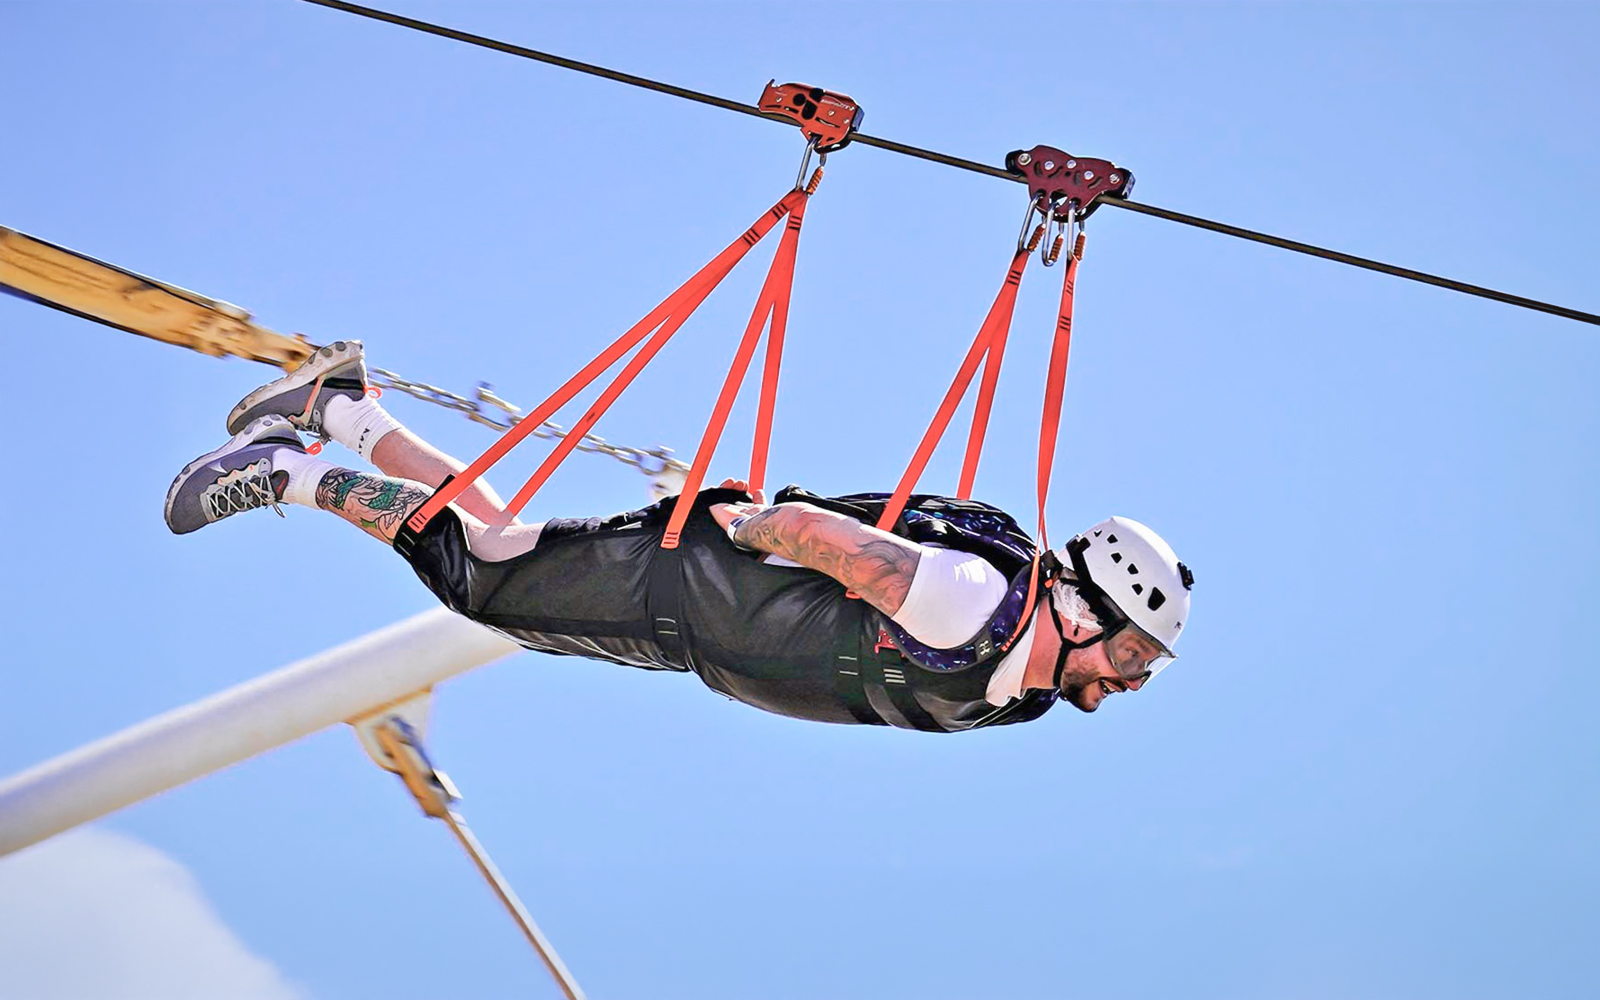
1050, 420
672, 312
980, 410
995, 325
614, 389
774, 359
774, 302
1055, 384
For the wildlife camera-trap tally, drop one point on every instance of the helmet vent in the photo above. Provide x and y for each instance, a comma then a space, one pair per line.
1112, 539
1132, 570
1138, 588
1116, 557
1157, 598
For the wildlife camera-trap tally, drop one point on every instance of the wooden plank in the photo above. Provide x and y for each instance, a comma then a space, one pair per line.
93, 289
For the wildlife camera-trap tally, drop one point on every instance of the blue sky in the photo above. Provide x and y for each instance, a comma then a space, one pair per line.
1371, 774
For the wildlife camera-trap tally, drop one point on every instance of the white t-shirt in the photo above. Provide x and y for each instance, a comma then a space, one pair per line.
951, 596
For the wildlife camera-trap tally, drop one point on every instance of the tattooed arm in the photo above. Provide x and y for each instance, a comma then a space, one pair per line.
875, 564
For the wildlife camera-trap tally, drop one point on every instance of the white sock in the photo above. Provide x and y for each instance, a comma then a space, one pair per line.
357, 424
304, 472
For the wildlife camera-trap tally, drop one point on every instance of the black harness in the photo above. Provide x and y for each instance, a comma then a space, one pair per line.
968, 526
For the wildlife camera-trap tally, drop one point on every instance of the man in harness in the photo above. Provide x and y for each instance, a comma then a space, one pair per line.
799, 607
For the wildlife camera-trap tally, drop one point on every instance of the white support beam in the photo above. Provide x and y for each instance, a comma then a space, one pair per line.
335, 686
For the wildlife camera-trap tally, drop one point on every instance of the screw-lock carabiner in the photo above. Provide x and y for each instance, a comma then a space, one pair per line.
805, 162
1025, 242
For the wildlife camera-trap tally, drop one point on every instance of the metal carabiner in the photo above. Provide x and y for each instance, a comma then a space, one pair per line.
1050, 251
1075, 240
805, 162
1025, 242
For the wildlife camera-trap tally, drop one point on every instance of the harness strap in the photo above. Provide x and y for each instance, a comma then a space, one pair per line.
619, 383
668, 317
991, 341
1054, 390
774, 357
994, 330
1055, 383
773, 303
985, 401
871, 682
890, 693
664, 600
847, 684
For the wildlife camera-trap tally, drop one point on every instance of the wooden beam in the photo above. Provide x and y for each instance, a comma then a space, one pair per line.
93, 289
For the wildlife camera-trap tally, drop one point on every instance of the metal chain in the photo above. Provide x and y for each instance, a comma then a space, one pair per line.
490, 410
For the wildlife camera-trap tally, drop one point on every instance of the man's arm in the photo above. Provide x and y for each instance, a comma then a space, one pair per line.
872, 563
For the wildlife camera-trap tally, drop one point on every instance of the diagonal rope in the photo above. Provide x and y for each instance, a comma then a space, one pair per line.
957, 162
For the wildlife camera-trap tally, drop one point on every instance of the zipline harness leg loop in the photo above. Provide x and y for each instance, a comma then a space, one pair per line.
394, 742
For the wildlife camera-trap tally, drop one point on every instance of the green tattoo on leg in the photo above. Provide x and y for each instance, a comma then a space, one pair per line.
376, 503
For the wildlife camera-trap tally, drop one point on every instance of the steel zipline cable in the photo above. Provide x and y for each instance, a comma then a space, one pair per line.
963, 164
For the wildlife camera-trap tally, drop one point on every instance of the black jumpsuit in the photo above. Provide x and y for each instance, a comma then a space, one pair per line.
780, 638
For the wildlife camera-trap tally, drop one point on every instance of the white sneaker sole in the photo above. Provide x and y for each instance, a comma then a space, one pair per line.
319, 364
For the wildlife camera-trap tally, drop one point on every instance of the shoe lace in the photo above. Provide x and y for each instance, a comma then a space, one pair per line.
244, 493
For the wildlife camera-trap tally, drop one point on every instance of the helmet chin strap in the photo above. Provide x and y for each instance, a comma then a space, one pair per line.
1105, 611
1067, 645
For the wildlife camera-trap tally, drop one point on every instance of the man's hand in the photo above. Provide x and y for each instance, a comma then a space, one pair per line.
874, 564
724, 513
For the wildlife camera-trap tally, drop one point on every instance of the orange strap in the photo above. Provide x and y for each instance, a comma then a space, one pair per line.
990, 341
1055, 384
774, 302
980, 409
668, 317
774, 359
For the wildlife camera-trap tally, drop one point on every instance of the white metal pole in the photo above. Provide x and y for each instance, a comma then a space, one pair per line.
161, 753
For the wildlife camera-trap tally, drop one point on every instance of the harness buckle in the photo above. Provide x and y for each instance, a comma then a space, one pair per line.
825, 118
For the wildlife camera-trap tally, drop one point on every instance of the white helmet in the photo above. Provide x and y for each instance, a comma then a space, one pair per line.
1131, 569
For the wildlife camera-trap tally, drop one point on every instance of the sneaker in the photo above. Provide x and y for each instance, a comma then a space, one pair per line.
340, 369
236, 477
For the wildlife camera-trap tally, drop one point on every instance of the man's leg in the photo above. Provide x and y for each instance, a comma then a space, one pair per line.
379, 505
405, 458
366, 428
266, 465
327, 395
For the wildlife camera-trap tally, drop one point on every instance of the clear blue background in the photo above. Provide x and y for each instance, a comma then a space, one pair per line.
1372, 774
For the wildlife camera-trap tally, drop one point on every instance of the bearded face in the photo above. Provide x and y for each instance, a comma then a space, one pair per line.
1089, 677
